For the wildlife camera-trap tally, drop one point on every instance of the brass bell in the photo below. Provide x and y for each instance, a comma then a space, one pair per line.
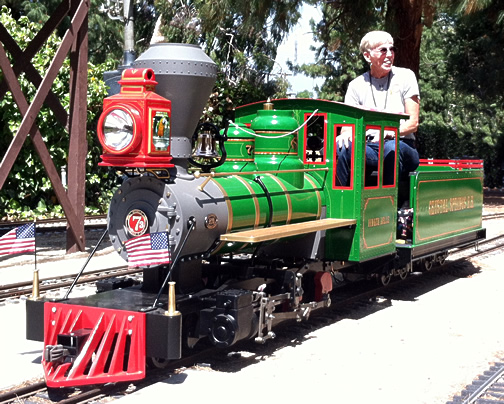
205, 146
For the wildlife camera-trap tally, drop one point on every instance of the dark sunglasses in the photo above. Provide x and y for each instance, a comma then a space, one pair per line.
383, 50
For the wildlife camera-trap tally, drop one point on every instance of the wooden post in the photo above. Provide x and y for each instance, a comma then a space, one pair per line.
74, 41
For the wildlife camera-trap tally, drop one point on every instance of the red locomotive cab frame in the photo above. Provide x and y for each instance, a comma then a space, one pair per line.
135, 126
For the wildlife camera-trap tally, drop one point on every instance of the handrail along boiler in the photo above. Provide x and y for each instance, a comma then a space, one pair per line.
258, 232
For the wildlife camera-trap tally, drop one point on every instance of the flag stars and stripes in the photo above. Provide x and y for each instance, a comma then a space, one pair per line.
18, 240
149, 249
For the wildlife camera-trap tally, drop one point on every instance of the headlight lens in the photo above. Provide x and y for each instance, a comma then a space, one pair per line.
118, 129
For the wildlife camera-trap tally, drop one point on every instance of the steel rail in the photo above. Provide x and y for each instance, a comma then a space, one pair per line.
87, 279
485, 386
20, 392
43, 222
60, 277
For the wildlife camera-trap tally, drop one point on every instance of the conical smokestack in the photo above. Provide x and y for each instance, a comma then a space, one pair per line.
185, 76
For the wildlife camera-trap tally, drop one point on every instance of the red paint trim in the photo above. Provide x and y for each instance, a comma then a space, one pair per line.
456, 164
335, 157
323, 285
113, 352
392, 129
305, 129
380, 153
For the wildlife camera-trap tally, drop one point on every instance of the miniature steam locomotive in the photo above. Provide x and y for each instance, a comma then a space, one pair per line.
257, 227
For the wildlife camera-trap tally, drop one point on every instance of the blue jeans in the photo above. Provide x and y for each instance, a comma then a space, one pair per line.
408, 161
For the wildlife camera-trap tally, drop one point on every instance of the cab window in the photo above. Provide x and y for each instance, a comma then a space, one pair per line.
343, 156
372, 157
315, 139
389, 135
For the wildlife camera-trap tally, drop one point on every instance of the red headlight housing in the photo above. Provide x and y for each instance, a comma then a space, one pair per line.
135, 126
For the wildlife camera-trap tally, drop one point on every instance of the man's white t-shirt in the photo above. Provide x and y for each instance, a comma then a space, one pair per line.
385, 94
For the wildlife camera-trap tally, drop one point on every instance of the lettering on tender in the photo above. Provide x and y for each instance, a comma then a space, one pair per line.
446, 205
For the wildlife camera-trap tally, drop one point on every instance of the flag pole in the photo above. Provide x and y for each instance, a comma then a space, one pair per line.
36, 280
191, 223
85, 265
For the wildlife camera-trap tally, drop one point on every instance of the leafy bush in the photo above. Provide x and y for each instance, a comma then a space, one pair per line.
27, 191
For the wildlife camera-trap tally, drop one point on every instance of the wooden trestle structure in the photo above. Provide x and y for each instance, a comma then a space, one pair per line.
75, 44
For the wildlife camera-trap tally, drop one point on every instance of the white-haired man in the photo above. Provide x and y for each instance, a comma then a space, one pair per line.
384, 87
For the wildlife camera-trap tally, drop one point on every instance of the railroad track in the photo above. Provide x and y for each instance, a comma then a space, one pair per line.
27, 389
490, 216
55, 225
487, 246
38, 392
16, 290
487, 389
368, 298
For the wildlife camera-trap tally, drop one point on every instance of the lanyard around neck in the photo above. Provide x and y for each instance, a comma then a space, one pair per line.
372, 91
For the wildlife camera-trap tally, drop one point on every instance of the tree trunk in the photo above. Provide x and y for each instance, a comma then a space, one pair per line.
404, 22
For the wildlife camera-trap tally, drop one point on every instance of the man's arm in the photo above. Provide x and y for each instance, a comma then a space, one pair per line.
412, 108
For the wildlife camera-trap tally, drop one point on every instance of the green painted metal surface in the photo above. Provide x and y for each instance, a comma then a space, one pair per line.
248, 206
240, 147
378, 224
446, 203
277, 144
374, 208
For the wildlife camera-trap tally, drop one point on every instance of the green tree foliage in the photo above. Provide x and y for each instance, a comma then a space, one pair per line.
241, 37
339, 32
472, 6
462, 87
28, 191
304, 94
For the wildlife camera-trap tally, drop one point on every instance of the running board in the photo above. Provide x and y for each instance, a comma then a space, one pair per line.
287, 230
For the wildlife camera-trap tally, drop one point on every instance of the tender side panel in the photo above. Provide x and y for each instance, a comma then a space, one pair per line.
446, 204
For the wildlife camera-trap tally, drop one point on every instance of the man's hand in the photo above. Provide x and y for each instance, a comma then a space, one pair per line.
345, 137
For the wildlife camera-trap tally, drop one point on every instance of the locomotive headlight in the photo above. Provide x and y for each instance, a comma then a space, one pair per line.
118, 130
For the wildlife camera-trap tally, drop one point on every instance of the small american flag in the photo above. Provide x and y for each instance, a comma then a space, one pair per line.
18, 240
149, 249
